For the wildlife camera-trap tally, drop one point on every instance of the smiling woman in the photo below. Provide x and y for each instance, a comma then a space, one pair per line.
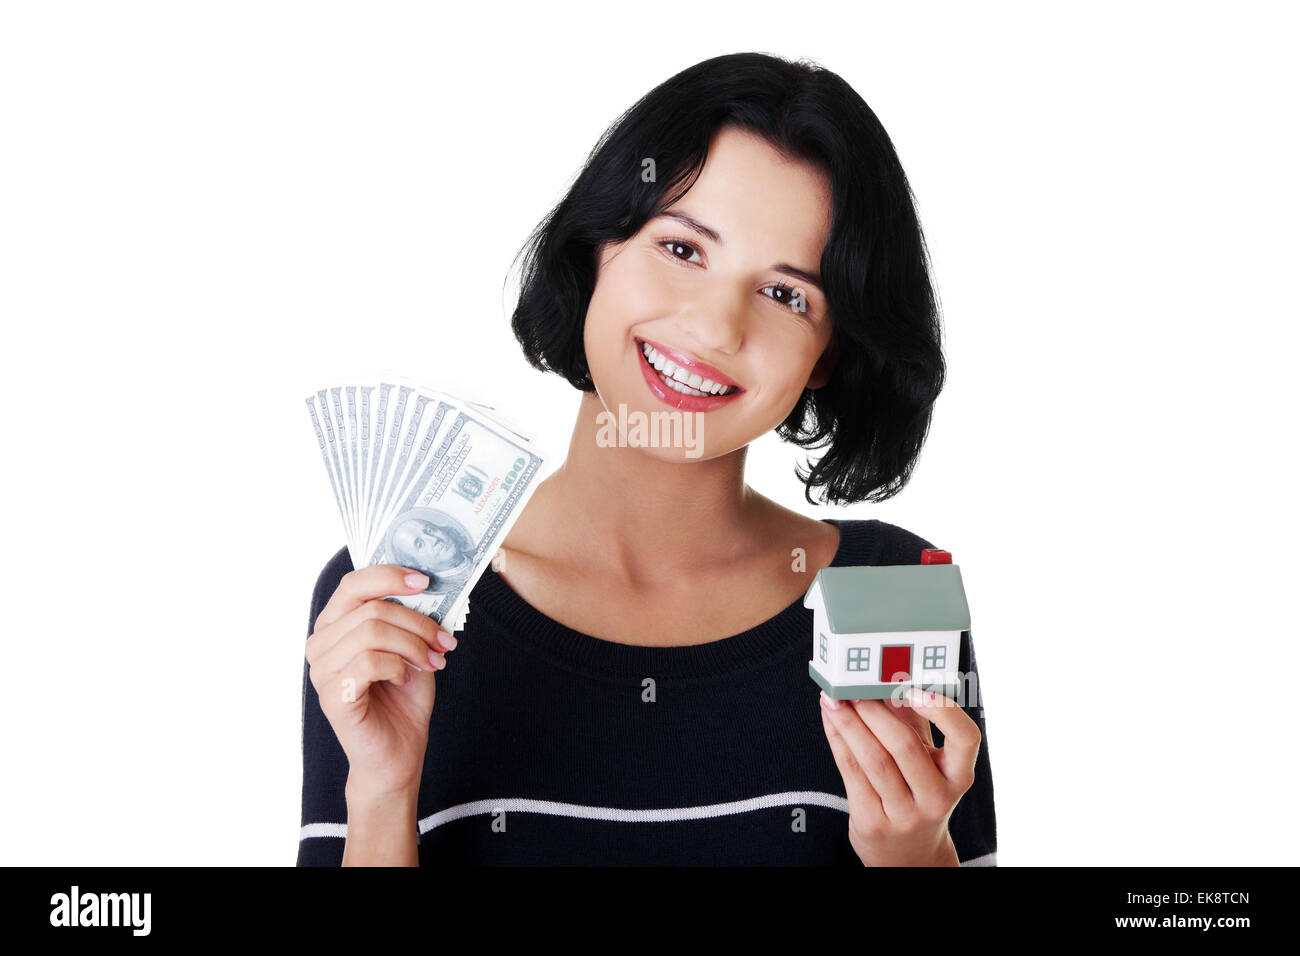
717, 304
632, 686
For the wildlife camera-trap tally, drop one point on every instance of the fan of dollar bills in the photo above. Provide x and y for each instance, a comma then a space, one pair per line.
425, 480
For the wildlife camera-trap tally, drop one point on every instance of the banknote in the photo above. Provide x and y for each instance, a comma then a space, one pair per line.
326, 455
423, 479
332, 442
458, 510
420, 432
379, 428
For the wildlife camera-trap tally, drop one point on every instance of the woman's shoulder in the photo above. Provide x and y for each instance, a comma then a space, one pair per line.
327, 583
873, 541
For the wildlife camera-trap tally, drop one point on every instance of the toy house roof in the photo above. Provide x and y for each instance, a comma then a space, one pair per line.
902, 597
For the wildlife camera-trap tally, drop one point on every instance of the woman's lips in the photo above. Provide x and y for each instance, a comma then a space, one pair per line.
680, 400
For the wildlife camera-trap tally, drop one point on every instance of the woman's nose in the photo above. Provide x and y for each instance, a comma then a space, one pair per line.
714, 317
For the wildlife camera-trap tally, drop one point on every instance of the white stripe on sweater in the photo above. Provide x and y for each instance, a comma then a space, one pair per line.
339, 830
581, 812
666, 815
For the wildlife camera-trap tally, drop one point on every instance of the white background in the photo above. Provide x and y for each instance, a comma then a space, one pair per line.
208, 210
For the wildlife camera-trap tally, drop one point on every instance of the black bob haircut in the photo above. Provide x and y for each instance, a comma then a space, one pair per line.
874, 411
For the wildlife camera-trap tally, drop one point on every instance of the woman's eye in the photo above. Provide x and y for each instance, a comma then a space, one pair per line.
674, 247
788, 296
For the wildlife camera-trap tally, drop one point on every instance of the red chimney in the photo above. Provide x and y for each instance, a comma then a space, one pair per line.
935, 556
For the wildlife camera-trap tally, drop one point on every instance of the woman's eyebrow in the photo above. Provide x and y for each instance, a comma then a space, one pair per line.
712, 234
693, 223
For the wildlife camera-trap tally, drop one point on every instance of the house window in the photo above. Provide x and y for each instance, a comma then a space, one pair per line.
935, 657
859, 658
823, 643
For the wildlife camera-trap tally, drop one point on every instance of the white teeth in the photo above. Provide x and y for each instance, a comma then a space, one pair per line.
677, 378
684, 389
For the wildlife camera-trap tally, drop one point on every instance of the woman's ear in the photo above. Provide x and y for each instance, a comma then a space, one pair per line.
821, 372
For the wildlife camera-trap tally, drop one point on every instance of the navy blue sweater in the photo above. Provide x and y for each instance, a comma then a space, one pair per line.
544, 751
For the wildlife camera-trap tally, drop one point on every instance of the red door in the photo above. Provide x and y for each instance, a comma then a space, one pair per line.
895, 663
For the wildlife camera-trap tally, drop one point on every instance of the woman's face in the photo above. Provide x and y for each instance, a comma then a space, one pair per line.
729, 293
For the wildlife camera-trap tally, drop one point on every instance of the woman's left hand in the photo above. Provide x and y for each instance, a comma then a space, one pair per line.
901, 787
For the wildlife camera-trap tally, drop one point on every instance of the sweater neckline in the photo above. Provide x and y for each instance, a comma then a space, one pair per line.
532, 631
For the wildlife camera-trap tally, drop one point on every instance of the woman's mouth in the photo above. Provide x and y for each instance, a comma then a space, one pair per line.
684, 382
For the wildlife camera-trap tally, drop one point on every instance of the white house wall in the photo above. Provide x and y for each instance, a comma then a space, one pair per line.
837, 670
819, 626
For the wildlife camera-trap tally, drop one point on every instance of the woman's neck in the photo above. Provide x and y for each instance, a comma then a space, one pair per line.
624, 511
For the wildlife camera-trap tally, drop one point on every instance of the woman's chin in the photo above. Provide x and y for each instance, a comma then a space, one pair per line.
677, 456
687, 453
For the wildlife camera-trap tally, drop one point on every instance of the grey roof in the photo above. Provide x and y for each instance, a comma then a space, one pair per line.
899, 597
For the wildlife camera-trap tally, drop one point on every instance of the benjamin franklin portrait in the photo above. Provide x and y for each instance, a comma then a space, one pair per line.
434, 542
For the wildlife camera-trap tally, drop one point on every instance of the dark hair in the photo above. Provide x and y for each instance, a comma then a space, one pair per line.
873, 413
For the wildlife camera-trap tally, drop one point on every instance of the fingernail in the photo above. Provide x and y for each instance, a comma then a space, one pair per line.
437, 660
918, 697
447, 641
831, 702
417, 581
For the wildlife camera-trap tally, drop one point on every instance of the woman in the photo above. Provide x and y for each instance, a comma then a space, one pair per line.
631, 685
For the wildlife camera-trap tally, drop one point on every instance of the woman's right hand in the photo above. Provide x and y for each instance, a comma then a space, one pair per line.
372, 664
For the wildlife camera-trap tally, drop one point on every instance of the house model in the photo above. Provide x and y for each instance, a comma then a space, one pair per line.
875, 628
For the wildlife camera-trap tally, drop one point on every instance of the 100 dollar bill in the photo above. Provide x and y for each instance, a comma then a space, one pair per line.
457, 513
